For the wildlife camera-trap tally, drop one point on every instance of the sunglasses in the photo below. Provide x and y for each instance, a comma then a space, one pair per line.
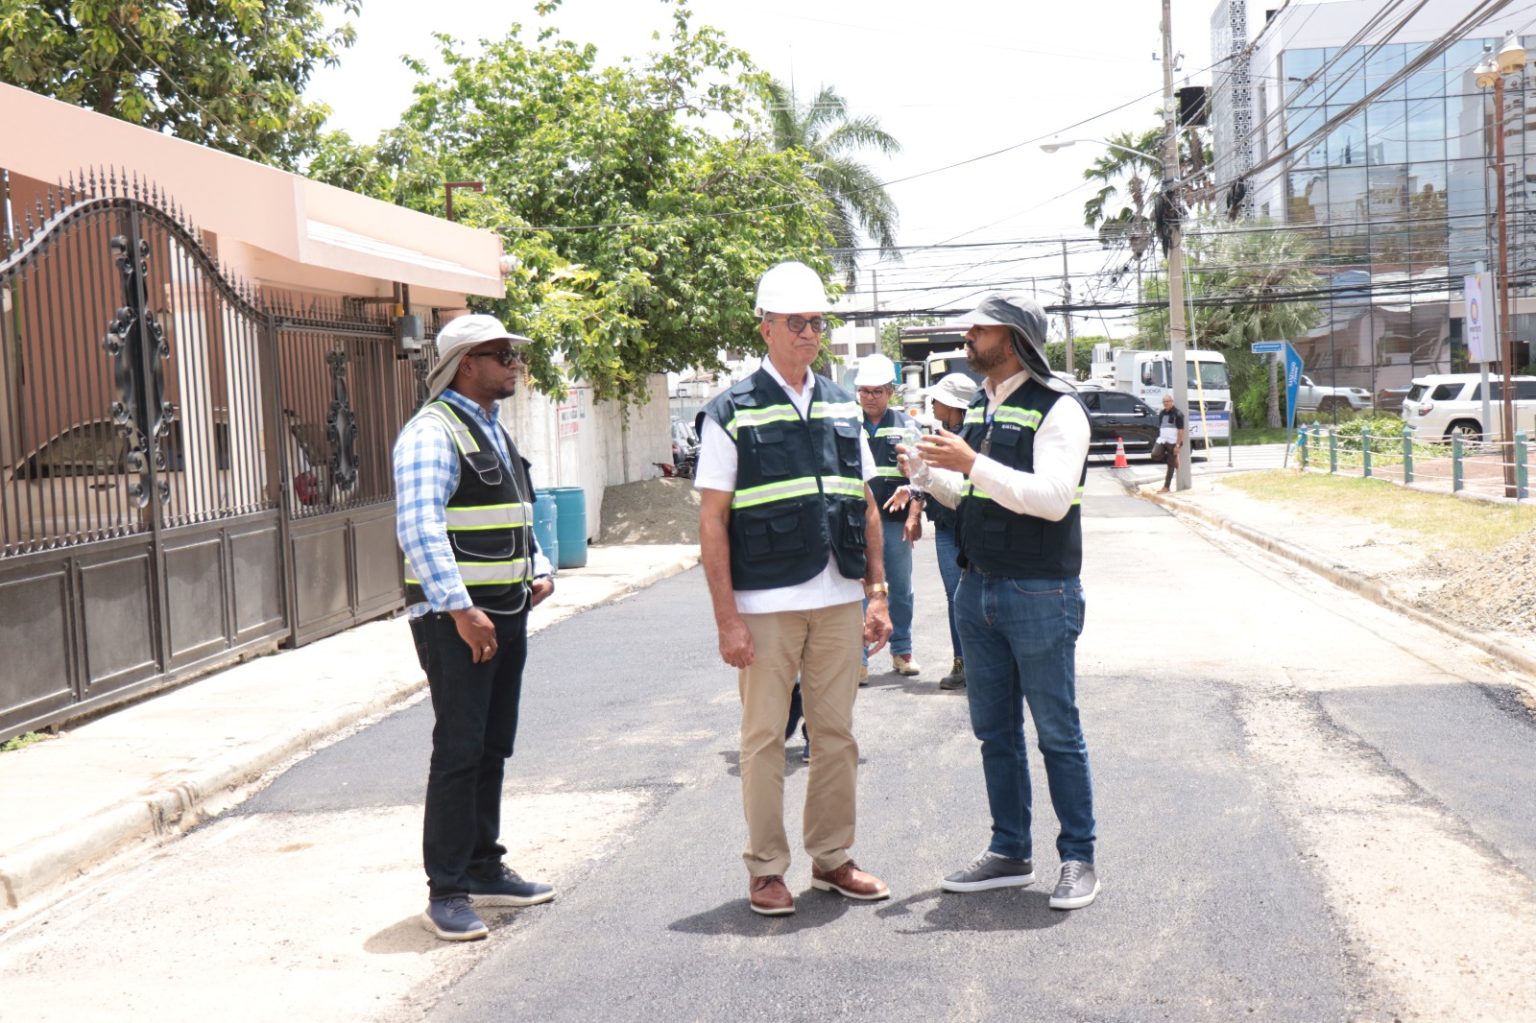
505, 356
797, 324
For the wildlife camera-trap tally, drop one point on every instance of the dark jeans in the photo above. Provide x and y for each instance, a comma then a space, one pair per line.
475, 706
949, 571
1020, 640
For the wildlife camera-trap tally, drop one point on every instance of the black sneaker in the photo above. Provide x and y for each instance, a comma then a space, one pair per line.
508, 890
989, 870
452, 919
956, 677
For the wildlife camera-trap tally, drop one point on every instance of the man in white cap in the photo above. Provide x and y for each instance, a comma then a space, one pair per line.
1015, 476
951, 396
464, 518
789, 536
875, 383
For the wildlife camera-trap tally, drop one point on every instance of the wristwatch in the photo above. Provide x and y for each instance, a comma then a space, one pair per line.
874, 590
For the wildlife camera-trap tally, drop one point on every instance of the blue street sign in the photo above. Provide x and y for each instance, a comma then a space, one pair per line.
1262, 347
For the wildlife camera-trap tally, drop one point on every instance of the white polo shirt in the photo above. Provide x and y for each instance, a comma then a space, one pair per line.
717, 471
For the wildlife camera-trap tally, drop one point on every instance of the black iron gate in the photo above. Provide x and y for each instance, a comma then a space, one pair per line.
186, 476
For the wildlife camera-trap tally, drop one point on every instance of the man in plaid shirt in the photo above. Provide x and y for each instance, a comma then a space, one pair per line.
464, 517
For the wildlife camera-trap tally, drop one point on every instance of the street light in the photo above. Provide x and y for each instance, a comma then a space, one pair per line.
1051, 147
1490, 71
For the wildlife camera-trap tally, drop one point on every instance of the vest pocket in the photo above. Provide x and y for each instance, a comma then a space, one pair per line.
853, 524
847, 441
490, 544
773, 456
773, 531
1014, 537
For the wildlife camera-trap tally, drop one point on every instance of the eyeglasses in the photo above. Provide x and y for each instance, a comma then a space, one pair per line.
872, 392
505, 356
797, 324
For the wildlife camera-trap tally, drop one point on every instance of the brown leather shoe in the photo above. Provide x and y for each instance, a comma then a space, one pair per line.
849, 880
768, 896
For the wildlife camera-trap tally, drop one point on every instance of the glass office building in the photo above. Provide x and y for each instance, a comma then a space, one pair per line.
1396, 199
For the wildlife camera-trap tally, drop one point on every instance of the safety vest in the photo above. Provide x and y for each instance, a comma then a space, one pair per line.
888, 478
993, 539
799, 495
489, 517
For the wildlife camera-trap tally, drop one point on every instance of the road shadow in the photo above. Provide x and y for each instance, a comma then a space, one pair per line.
812, 909
406, 936
1009, 909
793, 765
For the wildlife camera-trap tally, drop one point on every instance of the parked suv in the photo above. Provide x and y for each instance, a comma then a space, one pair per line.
1444, 405
1310, 396
1116, 415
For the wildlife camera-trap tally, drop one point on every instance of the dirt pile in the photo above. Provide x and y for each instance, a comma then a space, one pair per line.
661, 510
1490, 591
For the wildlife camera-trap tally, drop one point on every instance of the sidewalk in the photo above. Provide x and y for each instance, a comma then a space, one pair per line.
161, 766
1362, 556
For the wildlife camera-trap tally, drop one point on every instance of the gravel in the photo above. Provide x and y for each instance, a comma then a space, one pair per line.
1490, 591
661, 510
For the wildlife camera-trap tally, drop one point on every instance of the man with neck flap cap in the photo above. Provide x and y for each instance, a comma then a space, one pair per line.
1014, 475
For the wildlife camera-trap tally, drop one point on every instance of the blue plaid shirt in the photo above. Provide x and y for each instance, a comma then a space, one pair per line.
426, 475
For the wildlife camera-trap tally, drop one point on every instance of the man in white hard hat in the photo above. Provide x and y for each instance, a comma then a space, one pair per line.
900, 521
789, 535
464, 518
1015, 474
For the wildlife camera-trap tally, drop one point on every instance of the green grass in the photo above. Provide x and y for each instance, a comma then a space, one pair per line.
1256, 435
23, 740
1445, 521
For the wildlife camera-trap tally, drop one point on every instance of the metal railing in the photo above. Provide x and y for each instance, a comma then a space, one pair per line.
1460, 465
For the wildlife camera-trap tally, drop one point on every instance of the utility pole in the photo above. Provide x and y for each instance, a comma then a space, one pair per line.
874, 276
1066, 312
1176, 332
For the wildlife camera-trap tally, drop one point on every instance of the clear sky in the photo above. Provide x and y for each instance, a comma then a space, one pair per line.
952, 81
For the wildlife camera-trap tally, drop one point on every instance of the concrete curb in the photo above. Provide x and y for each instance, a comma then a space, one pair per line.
211, 787
1364, 587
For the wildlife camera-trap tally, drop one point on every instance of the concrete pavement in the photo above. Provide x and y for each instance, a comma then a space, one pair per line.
161, 766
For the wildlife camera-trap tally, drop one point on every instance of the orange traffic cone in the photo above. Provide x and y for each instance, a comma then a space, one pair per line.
1120, 462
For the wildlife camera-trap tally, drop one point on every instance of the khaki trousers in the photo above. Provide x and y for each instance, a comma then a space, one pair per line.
823, 648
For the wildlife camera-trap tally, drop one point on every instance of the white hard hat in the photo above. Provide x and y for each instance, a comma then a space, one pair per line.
875, 371
790, 287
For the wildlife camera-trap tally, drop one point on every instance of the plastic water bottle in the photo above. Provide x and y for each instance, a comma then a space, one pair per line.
910, 435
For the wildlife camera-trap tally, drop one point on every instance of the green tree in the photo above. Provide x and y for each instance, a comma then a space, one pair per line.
635, 233
828, 137
226, 73
1239, 281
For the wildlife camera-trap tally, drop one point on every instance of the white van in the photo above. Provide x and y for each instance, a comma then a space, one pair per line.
1444, 405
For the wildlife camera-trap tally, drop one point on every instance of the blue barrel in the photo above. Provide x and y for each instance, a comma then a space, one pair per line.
544, 517
571, 525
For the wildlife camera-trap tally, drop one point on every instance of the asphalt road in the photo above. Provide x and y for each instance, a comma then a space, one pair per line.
1308, 810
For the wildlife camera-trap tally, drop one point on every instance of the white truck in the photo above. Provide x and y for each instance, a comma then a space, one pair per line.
1149, 375
1312, 397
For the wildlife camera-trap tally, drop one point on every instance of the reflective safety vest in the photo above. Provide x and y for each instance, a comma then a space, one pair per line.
489, 517
993, 539
799, 496
888, 479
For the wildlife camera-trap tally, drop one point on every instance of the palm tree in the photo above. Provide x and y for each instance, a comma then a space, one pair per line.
825, 132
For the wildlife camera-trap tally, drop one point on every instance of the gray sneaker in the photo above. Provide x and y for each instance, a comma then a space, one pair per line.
1079, 885
989, 870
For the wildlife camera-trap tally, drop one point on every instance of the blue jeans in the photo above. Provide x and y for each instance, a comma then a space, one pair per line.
1020, 641
898, 576
949, 572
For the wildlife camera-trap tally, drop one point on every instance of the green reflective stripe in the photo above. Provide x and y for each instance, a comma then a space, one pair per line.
805, 486
975, 415
747, 418
890, 431
888, 470
488, 516
1027, 418
1079, 499
835, 410
842, 486
461, 436
972, 491
494, 573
